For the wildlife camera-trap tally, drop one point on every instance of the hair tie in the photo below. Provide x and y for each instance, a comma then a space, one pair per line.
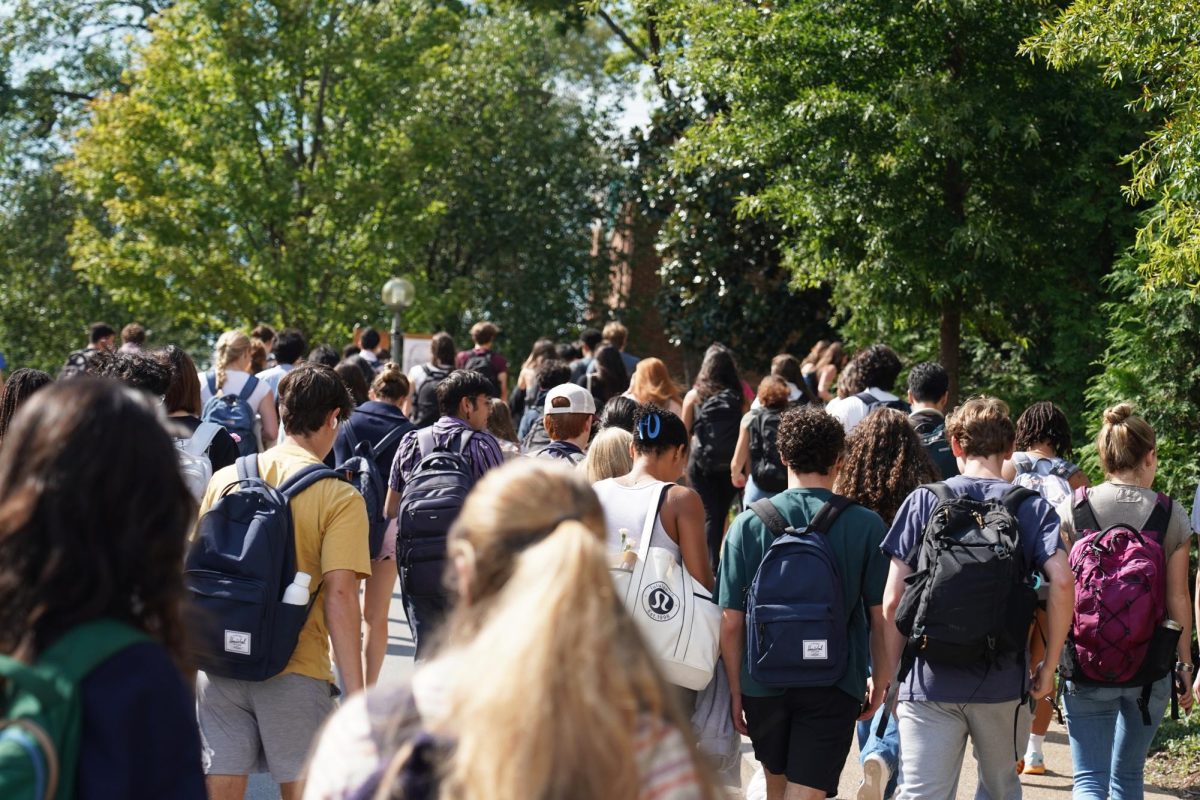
649, 427
518, 543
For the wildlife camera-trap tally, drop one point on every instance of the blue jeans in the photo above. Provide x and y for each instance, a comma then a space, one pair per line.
1109, 740
752, 493
886, 747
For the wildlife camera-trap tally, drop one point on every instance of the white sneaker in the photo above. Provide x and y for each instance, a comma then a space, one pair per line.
875, 778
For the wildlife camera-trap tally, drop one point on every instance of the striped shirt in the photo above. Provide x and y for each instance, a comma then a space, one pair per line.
483, 451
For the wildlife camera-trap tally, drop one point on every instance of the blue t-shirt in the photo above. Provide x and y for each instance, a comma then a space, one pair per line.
854, 538
1007, 679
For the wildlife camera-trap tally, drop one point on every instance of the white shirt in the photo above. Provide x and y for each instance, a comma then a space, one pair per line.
850, 410
235, 379
274, 375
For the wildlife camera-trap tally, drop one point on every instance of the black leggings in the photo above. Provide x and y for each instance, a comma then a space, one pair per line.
716, 492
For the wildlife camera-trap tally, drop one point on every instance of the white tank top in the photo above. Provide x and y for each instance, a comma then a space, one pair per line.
626, 507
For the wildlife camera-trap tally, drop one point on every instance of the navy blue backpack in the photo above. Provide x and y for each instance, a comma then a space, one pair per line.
233, 413
432, 498
237, 569
795, 612
362, 472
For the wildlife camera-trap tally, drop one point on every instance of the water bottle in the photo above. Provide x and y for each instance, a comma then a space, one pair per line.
297, 593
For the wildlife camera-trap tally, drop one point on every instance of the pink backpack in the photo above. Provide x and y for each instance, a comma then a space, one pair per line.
1120, 599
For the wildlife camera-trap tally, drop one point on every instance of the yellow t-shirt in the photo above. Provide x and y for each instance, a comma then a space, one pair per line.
330, 521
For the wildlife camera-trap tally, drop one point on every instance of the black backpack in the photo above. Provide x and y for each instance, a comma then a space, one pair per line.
765, 465
361, 471
433, 495
871, 401
716, 431
481, 361
237, 569
933, 438
425, 404
970, 598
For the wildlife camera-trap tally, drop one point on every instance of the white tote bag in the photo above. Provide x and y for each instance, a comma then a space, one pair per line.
675, 613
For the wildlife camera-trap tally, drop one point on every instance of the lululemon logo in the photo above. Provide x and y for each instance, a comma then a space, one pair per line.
661, 603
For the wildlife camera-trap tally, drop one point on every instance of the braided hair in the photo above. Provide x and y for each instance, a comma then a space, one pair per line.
231, 348
1044, 422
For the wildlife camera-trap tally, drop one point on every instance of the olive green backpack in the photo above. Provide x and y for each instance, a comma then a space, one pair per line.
41, 710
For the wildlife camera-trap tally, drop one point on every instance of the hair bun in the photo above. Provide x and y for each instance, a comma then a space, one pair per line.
1116, 415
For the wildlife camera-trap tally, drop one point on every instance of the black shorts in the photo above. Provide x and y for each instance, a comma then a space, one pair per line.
804, 734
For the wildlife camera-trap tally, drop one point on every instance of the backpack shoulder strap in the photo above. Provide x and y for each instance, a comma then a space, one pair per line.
211, 379
391, 438
247, 467
770, 516
1022, 463
1082, 511
425, 441
1015, 497
464, 439
829, 512
1160, 517
1064, 469
248, 389
202, 438
314, 473
941, 491
867, 399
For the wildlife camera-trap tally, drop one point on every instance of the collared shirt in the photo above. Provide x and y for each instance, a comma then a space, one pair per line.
274, 375
483, 451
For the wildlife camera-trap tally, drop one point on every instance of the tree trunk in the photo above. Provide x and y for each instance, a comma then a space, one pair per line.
950, 344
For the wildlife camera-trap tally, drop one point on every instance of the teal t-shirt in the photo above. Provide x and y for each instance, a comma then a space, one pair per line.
854, 538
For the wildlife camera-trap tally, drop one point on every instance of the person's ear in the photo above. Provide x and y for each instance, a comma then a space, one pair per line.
331, 419
956, 448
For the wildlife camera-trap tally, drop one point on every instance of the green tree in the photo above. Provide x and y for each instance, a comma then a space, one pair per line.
939, 183
280, 161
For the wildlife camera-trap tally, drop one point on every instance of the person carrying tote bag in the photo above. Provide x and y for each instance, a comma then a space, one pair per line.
661, 569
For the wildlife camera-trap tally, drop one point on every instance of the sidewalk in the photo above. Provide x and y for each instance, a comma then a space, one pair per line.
1054, 785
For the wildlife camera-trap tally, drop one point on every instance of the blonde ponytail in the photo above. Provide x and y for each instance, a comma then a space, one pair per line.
543, 647
232, 347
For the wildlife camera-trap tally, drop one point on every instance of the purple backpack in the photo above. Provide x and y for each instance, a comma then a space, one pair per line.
1120, 600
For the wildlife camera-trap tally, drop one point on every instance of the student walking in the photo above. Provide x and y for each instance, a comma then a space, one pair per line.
756, 467
799, 683
568, 417
1117, 691
537, 604
884, 462
93, 520
651, 384
712, 411
422, 405
961, 675
231, 396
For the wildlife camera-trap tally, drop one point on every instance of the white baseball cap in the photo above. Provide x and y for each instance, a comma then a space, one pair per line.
579, 400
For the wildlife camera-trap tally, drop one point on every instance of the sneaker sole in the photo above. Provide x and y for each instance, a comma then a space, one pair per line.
1034, 770
873, 784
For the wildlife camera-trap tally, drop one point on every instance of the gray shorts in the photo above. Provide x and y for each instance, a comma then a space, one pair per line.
248, 727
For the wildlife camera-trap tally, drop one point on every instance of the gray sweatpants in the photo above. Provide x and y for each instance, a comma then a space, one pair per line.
933, 740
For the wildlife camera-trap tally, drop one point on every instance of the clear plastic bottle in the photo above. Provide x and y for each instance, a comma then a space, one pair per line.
297, 593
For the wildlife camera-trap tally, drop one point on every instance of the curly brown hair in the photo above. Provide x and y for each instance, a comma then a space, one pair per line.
809, 439
884, 462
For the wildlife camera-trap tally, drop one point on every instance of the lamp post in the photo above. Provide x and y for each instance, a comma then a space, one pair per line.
398, 294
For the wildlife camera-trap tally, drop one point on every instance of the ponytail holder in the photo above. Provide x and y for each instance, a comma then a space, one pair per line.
649, 427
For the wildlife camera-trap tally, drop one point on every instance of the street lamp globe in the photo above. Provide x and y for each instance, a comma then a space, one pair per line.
398, 293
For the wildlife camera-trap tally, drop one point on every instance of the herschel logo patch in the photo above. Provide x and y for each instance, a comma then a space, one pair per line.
816, 649
237, 642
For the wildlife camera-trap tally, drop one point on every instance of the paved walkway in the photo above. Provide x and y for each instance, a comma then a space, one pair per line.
1054, 785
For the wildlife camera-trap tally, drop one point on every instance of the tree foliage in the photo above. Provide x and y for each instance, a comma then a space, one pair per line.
1154, 47
939, 183
279, 161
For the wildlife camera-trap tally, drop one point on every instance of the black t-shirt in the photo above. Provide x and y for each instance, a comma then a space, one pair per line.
222, 452
139, 739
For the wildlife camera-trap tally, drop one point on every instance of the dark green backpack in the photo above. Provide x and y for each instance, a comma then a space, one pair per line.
41, 710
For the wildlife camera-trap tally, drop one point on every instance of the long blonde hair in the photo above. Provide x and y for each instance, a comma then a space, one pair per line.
651, 383
608, 455
551, 680
231, 348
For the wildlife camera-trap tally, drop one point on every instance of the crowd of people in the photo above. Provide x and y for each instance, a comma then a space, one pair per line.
608, 577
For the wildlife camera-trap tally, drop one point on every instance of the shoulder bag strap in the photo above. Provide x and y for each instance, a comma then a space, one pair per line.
1015, 497
202, 438
390, 439
770, 516
86, 646
314, 473
1083, 513
350, 435
248, 389
828, 514
464, 439
211, 378
660, 494
1160, 518
247, 467
941, 491
425, 441
869, 400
